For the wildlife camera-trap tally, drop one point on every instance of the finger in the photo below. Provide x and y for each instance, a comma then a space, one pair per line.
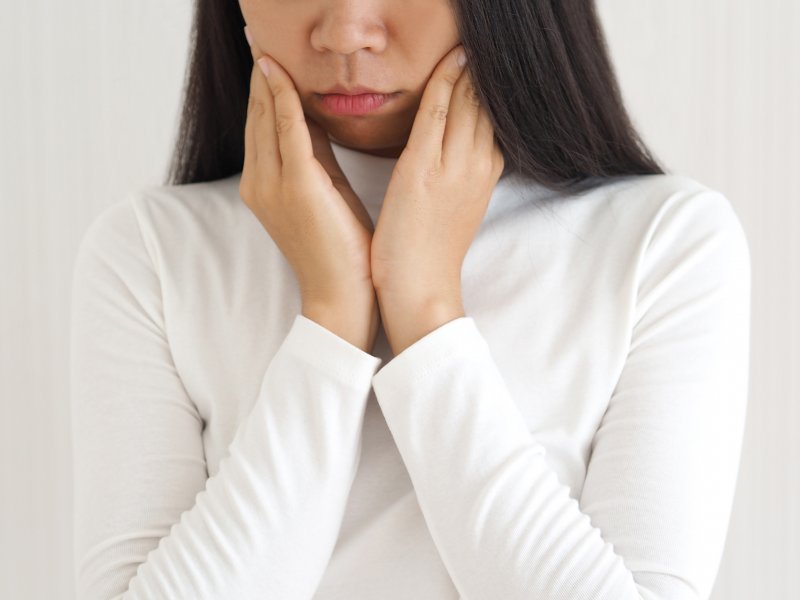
462, 121
250, 148
261, 118
321, 146
427, 133
250, 151
294, 139
484, 131
486, 142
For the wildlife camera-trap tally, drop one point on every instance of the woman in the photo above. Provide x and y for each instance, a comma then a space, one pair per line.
346, 354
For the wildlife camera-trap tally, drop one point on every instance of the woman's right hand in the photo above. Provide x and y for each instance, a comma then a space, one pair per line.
293, 184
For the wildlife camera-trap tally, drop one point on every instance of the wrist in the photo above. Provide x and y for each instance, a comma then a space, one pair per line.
407, 321
352, 319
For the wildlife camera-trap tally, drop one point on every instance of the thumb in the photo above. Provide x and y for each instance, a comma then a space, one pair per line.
321, 144
323, 152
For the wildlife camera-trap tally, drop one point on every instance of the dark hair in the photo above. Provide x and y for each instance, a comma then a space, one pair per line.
541, 67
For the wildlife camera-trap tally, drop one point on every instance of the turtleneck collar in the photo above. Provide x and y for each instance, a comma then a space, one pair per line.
368, 174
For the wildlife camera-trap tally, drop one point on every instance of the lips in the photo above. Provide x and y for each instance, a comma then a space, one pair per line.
357, 104
353, 90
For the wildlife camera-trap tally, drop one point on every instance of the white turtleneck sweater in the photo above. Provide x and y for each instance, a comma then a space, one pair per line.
575, 436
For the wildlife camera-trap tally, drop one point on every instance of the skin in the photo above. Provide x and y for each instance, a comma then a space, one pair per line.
448, 160
387, 45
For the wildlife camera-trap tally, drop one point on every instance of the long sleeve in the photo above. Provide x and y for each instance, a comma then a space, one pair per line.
149, 522
652, 516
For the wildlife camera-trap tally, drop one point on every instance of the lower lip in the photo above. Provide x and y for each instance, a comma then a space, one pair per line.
359, 104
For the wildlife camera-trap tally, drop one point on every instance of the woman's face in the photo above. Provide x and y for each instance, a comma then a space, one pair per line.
385, 45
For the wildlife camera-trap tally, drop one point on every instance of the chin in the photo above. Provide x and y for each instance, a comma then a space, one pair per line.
368, 138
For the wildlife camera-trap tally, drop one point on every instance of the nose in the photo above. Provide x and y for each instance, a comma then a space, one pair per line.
348, 26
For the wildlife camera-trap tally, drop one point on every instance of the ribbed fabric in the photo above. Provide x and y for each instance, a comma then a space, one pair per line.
575, 436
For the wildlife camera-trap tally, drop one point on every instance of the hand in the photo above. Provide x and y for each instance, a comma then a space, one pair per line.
293, 184
435, 202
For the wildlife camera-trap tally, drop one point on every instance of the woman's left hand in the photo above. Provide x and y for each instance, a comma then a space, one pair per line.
435, 202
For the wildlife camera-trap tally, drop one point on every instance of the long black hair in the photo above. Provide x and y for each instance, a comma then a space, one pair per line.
541, 67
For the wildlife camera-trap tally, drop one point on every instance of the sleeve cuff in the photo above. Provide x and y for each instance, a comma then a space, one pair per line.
429, 353
323, 349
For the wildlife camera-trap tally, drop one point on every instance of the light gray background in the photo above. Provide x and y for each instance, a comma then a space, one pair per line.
88, 108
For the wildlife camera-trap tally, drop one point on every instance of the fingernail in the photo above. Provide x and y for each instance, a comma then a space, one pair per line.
262, 62
248, 36
461, 57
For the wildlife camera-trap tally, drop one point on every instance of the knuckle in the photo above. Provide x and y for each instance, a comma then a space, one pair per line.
439, 112
257, 107
431, 172
284, 124
451, 77
473, 98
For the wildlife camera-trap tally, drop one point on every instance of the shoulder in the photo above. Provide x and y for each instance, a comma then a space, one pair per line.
169, 205
647, 213
677, 211
688, 241
203, 214
627, 215
670, 201
166, 220
640, 199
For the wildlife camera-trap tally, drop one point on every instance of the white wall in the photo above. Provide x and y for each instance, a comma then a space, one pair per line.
88, 109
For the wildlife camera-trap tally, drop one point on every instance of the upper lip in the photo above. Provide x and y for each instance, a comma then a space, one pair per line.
353, 91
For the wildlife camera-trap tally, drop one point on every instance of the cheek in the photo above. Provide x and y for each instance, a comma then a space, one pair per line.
246, 8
